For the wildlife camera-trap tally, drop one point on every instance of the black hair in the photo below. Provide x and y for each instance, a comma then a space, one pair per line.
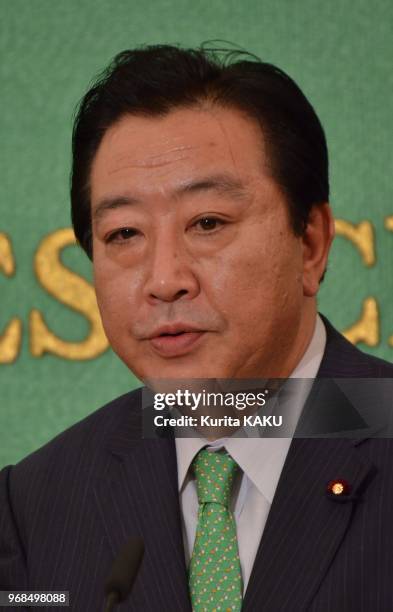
153, 80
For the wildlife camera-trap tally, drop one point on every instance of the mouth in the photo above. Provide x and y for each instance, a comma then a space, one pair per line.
175, 341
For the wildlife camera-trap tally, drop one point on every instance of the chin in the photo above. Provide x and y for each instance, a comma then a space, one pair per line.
178, 371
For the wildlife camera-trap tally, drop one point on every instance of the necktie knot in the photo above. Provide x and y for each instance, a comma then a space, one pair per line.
215, 473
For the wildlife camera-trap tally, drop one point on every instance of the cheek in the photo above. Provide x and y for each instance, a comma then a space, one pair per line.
257, 283
117, 291
234, 271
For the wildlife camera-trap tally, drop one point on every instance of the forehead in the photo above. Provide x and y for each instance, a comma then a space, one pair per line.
156, 151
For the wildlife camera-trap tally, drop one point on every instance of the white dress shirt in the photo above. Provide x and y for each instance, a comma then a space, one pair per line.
261, 461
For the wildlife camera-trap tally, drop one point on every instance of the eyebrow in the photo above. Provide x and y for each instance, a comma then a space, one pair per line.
223, 184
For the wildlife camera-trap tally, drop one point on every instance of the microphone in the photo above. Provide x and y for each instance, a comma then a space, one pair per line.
124, 570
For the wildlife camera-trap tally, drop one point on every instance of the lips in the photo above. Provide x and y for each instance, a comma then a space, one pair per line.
175, 340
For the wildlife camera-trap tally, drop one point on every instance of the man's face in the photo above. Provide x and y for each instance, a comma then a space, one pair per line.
197, 270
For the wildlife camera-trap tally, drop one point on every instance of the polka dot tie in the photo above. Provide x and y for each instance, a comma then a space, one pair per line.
214, 573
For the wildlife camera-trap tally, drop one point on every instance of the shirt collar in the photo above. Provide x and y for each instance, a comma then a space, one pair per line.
309, 364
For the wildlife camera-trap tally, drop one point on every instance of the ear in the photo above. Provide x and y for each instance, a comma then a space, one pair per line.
316, 242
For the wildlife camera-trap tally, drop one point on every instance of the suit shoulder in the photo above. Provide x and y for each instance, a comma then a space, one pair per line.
343, 359
383, 368
86, 436
68, 465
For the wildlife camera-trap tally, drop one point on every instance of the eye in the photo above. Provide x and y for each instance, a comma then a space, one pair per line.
208, 224
122, 235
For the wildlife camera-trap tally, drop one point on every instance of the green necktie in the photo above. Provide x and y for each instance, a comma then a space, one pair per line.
214, 573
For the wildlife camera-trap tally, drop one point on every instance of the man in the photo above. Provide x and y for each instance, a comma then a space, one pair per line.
200, 192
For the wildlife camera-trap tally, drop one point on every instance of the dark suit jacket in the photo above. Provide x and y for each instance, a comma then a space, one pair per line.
67, 509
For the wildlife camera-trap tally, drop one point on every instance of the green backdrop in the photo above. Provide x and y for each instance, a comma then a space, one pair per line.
340, 53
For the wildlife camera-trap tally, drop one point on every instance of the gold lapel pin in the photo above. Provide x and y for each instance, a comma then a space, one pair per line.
338, 487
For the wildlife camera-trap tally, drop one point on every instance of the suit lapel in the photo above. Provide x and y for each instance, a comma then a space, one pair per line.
330, 412
306, 524
139, 496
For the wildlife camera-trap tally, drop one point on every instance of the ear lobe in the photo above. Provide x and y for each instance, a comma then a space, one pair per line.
317, 239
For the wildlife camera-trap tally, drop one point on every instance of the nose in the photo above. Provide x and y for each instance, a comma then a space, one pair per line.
169, 276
